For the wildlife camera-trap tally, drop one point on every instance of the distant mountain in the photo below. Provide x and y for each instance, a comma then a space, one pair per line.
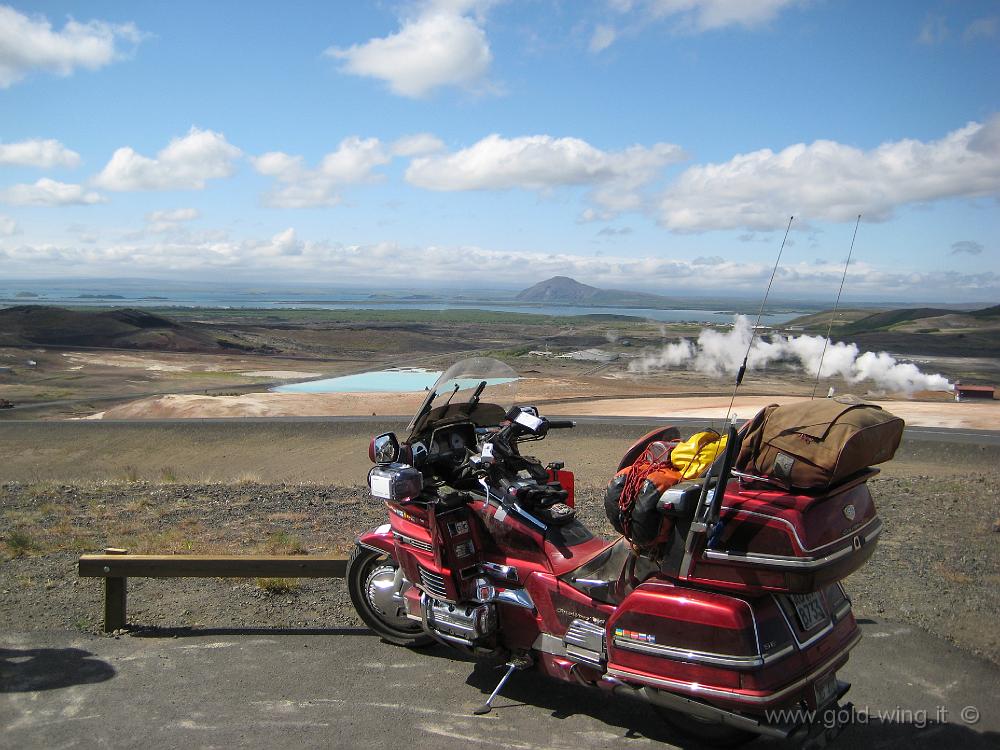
559, 289
987, 312
562, 290
124, 328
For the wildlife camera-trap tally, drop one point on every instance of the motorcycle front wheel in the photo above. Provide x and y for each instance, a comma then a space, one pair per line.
371, 579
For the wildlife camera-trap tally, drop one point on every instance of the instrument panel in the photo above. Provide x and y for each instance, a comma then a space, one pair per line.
452, 442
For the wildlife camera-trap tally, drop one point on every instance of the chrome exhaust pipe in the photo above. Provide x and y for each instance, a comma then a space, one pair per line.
699, 710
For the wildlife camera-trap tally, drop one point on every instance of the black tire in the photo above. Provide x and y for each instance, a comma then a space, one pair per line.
707, 733
365, 568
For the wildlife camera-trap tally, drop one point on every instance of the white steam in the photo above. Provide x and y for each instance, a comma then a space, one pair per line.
721, 353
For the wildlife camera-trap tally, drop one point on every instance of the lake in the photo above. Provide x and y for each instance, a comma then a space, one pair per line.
91, 296
382, 381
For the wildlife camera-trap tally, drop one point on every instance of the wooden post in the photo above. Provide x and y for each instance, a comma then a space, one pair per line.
115, 590
115, 596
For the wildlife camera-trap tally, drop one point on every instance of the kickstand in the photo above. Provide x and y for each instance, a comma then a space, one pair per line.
488, 706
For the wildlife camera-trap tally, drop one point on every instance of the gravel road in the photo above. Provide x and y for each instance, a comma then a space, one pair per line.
347, 689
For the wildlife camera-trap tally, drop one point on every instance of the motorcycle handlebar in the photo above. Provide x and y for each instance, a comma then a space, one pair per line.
561, 424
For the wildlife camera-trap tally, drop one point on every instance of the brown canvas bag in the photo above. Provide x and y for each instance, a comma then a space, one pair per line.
818, 443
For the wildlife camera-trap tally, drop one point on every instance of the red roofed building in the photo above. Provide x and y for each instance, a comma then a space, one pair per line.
967, 392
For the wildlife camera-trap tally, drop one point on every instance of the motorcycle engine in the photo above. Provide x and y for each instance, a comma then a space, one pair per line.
466, 621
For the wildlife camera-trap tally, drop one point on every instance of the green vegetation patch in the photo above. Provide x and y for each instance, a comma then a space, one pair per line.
359, 315
889, 318
19, 542
283, 543
276, 586
822, 320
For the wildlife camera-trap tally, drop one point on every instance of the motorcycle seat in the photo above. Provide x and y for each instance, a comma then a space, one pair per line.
610, 575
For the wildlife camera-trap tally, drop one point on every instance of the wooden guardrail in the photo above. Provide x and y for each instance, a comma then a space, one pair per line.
116, 566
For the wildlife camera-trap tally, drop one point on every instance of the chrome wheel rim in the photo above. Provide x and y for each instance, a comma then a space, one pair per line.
384, 599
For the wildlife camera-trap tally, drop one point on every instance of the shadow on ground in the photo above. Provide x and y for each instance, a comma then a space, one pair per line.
636, 718
192, 632
33, 669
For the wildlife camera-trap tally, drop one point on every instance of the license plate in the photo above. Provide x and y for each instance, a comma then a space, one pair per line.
809, 609
826, 689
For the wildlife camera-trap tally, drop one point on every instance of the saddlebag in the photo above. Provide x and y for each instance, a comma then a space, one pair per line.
770, 539
738, 652
818, 443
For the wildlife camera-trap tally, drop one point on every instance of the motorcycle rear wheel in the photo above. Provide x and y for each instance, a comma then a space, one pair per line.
368, 573
707, 733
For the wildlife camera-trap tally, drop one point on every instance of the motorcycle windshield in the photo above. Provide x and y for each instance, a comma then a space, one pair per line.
468, 375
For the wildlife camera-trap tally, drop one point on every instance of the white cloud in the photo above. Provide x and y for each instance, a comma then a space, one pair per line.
685, 17
185, 164
602, 38
614, 231
29, 43
826, 180
969, 247
934, 30
689, 16
8, 227
982, 28
705, 15
38, 153
440, 45
286, 256
173, 215
354, 160
352, 163
277, 164
417, 144
284, 244
48, 192
161, 222
541, 162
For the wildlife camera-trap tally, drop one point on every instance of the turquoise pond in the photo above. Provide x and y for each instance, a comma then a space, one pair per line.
384, 381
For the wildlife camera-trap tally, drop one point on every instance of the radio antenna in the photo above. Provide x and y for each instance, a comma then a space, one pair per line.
836, 309
760, 312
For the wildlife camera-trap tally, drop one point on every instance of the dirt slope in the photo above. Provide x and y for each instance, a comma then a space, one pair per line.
125, 328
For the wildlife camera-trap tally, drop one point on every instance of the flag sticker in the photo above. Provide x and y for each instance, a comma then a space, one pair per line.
634, 635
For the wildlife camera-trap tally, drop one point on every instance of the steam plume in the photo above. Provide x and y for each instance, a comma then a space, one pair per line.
721, 353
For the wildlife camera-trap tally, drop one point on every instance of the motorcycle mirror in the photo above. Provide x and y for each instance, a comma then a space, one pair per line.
384, 449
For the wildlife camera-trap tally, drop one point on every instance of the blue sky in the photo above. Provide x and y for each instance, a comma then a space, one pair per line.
657, 144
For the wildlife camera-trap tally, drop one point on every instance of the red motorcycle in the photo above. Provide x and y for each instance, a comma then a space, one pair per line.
738, 616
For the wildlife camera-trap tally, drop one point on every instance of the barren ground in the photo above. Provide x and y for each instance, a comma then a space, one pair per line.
556, 396
65, 382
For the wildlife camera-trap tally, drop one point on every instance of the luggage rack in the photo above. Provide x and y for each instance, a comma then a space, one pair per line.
853, 480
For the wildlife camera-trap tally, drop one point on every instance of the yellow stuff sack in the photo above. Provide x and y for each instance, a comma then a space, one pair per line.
692, 457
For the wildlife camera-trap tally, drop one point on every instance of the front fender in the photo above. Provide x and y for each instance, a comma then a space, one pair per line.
378, 539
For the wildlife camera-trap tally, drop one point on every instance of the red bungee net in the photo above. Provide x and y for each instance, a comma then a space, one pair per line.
638, 474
